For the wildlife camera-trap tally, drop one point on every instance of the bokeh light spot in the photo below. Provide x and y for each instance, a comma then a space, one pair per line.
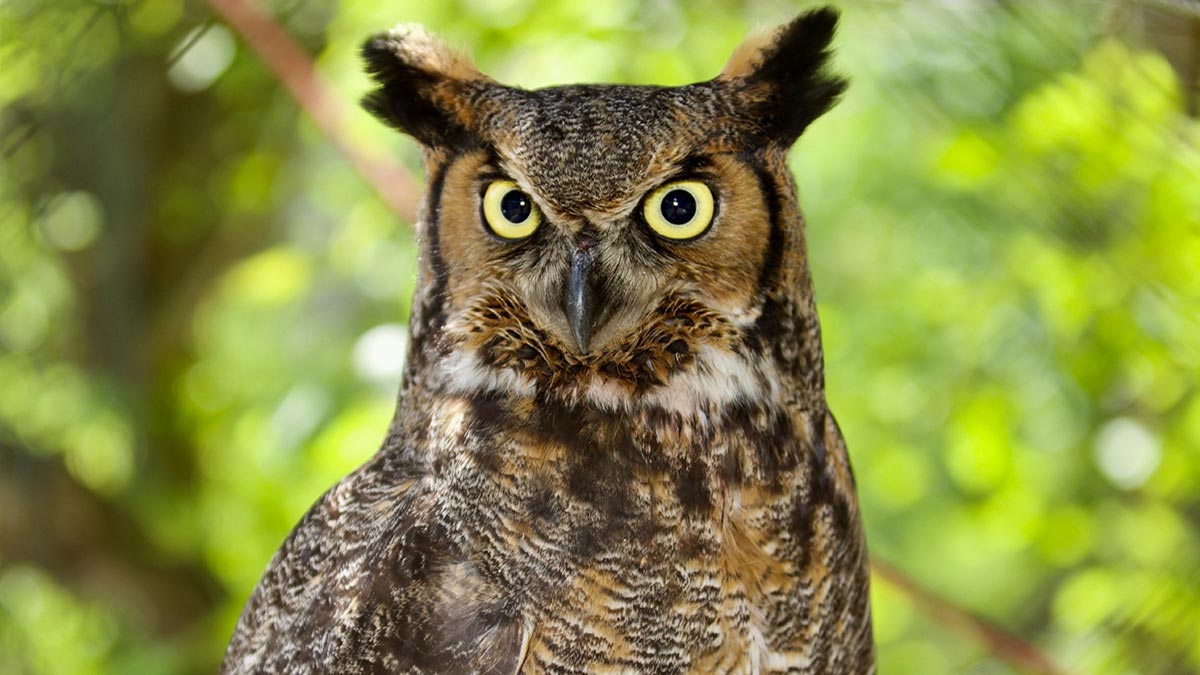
207, 53
1127, 452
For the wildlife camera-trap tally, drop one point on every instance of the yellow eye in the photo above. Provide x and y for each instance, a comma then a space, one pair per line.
509, 212
679, 210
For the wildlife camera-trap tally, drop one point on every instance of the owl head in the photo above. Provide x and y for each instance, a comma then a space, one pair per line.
611, 241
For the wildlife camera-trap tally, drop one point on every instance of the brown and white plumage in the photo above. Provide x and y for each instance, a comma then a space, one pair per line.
612, 451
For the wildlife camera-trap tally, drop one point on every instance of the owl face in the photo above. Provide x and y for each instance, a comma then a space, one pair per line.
616, 233
592, 228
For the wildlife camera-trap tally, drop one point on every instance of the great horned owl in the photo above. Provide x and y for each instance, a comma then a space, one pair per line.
612, 451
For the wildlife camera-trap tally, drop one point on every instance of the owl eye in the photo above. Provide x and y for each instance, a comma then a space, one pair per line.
679, 210
509, 212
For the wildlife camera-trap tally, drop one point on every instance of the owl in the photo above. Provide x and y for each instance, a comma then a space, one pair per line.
611, 451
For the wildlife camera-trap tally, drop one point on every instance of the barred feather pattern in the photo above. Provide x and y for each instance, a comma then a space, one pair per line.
519, 543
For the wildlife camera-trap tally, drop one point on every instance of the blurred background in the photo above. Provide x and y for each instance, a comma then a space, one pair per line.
205, 277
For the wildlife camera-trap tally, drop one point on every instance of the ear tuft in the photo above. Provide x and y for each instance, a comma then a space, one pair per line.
785, 73
419, 81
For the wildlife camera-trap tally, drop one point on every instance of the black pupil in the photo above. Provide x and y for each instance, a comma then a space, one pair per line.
679, 207
515, 206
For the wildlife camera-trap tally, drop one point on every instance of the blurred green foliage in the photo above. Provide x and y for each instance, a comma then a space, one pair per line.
202, 309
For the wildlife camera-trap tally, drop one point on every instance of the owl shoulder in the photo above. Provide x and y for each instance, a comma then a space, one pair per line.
370, 581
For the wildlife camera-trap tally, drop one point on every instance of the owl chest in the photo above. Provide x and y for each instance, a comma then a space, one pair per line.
645, 586
618, 553
652, 606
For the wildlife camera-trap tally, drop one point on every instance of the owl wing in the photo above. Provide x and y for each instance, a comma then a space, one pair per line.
369, 583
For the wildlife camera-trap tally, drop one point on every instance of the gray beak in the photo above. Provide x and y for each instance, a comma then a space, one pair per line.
582, 296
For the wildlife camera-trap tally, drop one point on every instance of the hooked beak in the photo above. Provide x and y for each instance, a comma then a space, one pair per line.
582, 301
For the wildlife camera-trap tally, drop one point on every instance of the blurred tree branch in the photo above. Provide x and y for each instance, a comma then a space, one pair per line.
1173, 28
1185, 8
1005, 645
280, 53
27, 131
